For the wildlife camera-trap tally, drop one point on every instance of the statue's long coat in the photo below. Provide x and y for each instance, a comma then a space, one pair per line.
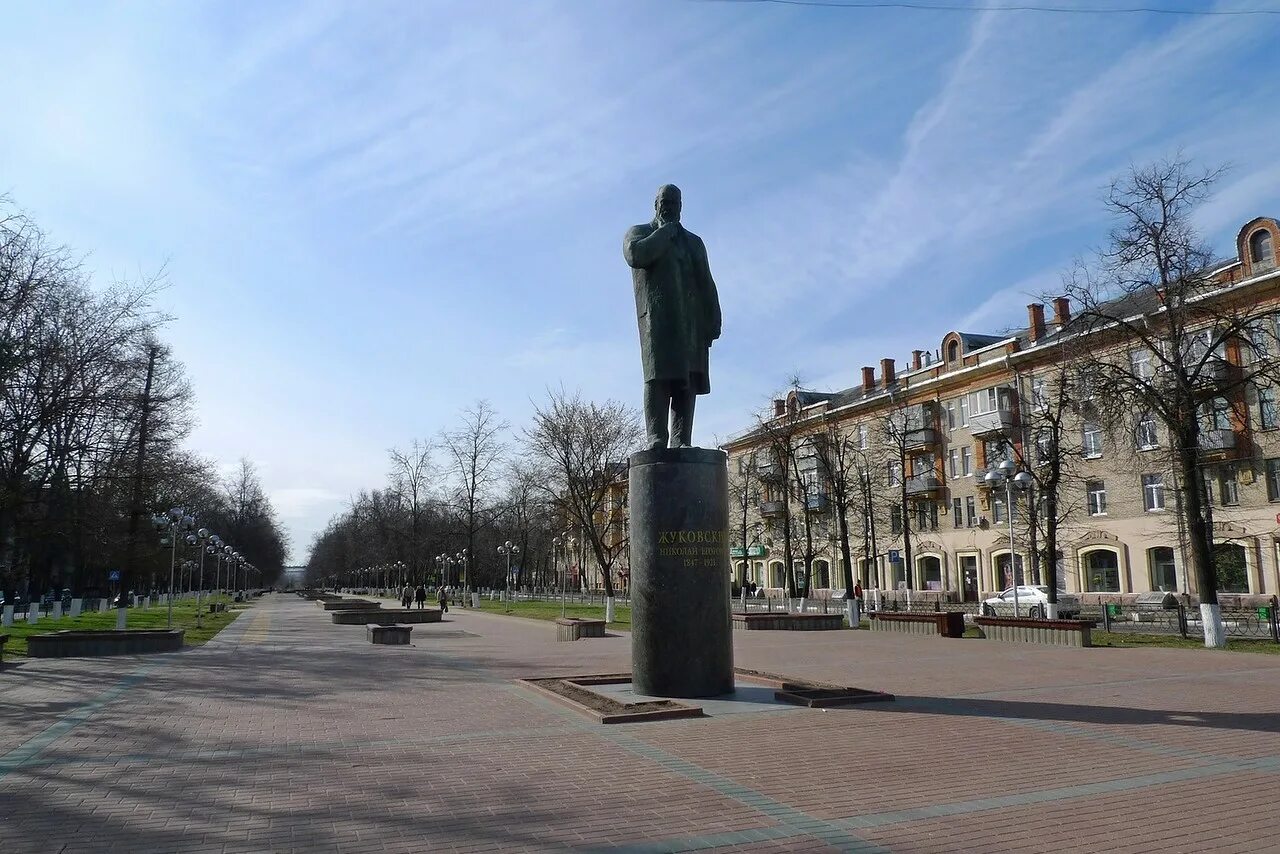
677, 308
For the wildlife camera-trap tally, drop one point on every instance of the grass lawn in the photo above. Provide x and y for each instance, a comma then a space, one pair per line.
551, 610
1114, 639
155, 617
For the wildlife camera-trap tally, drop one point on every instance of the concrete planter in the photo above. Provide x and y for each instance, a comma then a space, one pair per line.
947, 624
1075, 633
344, 604
390, 615
82, 644
576, 628
389, 634
788, 622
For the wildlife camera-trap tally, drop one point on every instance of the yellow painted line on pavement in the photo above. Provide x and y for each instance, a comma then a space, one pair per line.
258, 629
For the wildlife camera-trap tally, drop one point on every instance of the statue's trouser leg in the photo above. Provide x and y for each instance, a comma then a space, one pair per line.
683, 400
657, 400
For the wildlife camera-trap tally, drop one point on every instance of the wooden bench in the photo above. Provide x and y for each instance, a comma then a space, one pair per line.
1074, 633
947, 624
576, 628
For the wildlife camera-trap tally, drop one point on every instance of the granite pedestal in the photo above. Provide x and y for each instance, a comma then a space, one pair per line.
681, 634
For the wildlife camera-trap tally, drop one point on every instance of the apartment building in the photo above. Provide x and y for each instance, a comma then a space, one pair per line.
960, 409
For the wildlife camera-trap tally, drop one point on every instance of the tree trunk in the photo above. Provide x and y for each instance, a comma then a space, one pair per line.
1199, 531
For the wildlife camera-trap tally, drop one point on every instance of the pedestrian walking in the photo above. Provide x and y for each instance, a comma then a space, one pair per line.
857, 594
443, 596
420, 596
406, 597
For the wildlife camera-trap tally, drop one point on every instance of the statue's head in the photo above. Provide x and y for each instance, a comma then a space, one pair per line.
667, 203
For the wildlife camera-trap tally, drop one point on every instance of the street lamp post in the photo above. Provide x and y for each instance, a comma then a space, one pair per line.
1003, 475
177, 519
508, 549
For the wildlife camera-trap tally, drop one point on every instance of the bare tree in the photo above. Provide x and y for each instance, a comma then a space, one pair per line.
584, 446
838, 454
1148, 300
410, 480
475, 453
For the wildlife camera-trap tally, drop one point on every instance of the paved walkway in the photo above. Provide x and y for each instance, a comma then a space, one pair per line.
287, 733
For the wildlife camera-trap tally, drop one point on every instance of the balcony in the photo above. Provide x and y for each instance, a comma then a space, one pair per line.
923, 484
991, 423
769, 471
816, 503
1217, 441
920, 439
772, 509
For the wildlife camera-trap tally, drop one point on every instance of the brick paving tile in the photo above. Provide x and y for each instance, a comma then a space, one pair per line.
301, 736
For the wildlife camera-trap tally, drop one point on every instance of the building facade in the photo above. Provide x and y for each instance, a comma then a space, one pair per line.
925, 438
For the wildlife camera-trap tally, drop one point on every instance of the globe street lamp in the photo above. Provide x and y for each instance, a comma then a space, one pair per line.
508, 549
176, 520
1003, 475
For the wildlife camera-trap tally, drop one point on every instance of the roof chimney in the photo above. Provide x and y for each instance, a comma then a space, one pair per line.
779, 407
1035, 321
868, 379
1061, 311
886, 371
916, 356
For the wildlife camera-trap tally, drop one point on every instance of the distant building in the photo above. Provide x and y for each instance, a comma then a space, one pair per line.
965, 407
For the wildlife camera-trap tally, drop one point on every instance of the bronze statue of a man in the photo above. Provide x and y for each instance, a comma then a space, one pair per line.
678, 312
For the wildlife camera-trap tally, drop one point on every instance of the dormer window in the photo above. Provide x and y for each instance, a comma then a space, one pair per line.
1261, 251
953, 349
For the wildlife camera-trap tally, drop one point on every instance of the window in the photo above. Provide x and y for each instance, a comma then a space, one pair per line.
1273, 479
1153, 492
1092, 440
926, 515
1044, 446
895, 519
863, 438
895, 472
1268, 414
953, 462
997, 451
1102, 571
1039, 395
953, 351
1145, 437
987, 400
964, 411
1164, 571
1260, 249
966, 461
998, 513
1085, 384
957, 513
1228, 486
970, 512
1216, 414
930, 570
1140, 363
1231, 567
1004, 571
1097, 491
950, 407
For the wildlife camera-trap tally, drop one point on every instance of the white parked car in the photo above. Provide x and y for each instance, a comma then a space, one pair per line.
1033, 601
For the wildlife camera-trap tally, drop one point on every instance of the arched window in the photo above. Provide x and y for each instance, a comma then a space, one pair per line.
953, 351
1004, 572
1231, 567
1101, 571
1260, 248
930, 568
1164, 572
821, 574
776, 576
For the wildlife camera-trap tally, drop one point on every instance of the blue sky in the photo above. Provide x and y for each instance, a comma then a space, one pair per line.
375, 213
